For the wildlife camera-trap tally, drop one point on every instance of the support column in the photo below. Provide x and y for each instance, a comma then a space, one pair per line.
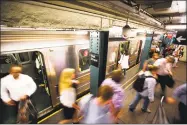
98, 59
147, 46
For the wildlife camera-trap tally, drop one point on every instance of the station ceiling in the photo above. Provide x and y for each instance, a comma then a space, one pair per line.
170, 12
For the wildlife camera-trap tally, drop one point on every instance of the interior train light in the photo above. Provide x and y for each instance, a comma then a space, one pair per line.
170, 27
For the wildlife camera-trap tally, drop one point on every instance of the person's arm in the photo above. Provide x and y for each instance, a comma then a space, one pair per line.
76, 106
179, 91
144, 66
5, 95
120, 59
169, 66
32, 86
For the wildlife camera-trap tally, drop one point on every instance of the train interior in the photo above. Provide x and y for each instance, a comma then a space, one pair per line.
33, 65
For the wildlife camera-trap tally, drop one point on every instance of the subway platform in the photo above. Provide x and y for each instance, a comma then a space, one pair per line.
139, 117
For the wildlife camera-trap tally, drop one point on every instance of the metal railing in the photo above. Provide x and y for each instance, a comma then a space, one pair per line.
160, 114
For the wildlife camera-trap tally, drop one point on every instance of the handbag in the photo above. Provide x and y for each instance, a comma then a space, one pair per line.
170, 81
26, 112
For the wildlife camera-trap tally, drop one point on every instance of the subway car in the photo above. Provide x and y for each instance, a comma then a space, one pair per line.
44, 54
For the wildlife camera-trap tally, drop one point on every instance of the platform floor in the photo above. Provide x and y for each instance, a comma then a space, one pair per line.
138, 117
146, 118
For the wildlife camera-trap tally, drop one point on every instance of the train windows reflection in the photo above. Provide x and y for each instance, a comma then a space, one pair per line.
84, 60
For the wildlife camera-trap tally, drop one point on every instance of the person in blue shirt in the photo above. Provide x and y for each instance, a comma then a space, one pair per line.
180, 94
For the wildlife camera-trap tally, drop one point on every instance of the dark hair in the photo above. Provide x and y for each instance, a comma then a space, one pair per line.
106, 92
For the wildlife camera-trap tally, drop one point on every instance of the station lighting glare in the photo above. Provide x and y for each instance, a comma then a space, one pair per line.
82, 32
170, 27
183, 19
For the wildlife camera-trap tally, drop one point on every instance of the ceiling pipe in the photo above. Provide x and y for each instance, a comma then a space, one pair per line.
141, 10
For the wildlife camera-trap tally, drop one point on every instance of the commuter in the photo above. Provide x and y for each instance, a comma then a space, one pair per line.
157, 49
164, 72
119, 95
16, 88
180, 94
181, 52
97, 110
148, 90
176, 56
67, 89
150, 61
124, 61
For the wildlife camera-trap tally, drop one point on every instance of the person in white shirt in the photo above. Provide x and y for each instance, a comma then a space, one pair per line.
124, 61
16, 87
164, 72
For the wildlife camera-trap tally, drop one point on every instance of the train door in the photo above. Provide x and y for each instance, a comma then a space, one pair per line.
139, 51
33, 65
123, 46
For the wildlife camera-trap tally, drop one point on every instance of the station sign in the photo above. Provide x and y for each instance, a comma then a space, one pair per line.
181, 38
94, 59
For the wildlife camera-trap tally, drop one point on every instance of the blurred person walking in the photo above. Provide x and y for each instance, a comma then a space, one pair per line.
150, 61
98, 110
147, 90
16, 89
67, 91
164, 72
180, 94
119, 95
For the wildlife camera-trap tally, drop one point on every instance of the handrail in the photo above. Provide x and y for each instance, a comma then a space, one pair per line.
161, 101
160, 115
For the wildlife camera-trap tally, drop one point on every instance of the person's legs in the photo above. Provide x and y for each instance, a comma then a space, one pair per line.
145, 104
182, 113
68, 115
124, 71
135, 102
162, 84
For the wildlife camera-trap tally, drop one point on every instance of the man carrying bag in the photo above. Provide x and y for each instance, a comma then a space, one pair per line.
27, 113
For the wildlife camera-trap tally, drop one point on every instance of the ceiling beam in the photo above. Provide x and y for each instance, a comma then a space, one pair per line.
169, 15
175, 23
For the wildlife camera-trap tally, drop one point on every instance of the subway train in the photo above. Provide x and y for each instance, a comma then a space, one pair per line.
44, 54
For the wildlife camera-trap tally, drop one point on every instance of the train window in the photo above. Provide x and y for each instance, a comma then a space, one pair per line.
24, 57
5, 59
84, 59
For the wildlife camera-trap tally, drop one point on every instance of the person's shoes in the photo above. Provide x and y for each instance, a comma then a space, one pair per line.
131, 109
148, 111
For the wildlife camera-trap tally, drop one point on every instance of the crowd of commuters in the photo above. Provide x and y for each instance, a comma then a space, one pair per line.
107, 106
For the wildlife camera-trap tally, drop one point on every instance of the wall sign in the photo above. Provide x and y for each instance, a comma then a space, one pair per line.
94, 58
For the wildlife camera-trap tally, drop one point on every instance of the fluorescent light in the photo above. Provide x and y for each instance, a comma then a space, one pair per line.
170, 27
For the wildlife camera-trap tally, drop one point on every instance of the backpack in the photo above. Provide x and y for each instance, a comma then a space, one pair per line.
139, 83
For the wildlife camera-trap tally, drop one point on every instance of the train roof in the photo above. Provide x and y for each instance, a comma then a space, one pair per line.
27, 40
